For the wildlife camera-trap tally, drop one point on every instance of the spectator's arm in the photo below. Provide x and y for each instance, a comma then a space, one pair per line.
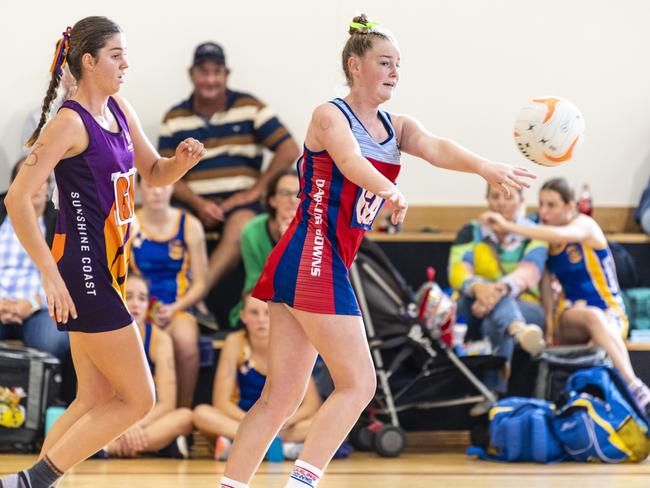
529, 270
226, 378
198, 265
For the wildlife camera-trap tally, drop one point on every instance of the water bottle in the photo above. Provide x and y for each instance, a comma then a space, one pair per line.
585, 202
51, 416
275, 454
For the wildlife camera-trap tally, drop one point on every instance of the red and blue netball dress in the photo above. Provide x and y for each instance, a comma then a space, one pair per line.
93, 224
308, 268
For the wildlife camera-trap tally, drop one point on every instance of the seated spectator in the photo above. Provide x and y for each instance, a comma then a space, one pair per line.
168, 250
642, 212
591, 308
224, 188
23, 307
239, 381
262, 233
163, 429
497, 275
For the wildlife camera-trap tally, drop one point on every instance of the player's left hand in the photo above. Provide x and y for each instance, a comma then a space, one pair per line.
397, 203
506, 177
189, 152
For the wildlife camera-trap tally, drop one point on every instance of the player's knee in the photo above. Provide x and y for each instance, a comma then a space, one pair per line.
281, 404
185, 421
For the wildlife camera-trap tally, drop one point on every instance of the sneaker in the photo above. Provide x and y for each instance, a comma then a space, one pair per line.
291, 450
222, 446
206, 319
531, 339
641, 394
343, 451
177, 449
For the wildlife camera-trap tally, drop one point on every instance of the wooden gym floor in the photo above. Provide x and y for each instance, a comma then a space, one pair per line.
413, 470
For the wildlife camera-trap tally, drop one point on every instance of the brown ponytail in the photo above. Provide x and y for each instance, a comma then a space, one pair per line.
88, 35
45, 110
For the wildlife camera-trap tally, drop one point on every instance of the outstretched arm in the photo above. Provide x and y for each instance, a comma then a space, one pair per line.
580, 229
444, 153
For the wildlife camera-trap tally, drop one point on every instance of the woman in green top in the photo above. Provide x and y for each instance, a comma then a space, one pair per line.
260, 235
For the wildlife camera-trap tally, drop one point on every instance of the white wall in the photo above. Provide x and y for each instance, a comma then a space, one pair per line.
467, 67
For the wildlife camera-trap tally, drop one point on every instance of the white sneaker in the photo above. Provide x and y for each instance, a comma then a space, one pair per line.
531, 339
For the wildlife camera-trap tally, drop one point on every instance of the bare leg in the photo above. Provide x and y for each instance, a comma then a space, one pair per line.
164, 430
341, 341
580, 324
92, 390
212, 422
291, 360
184, 332
225, 256
118, 356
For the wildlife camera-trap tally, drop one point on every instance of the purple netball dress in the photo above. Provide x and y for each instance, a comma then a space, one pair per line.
93, 225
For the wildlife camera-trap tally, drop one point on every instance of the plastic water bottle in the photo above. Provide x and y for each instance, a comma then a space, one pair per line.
275, 454
585, 202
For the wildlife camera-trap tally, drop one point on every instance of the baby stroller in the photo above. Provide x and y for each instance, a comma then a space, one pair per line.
410, 341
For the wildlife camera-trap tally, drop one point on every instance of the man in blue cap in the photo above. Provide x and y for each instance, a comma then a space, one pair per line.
224, 188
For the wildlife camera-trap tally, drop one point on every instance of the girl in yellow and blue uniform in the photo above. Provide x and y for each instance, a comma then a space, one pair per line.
591, 308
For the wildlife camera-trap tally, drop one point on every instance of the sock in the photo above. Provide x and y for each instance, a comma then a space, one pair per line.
228, 483
304, 474
44, 473
18, 480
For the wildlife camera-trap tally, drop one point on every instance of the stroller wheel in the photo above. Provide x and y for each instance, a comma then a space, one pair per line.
361, 438
390, 441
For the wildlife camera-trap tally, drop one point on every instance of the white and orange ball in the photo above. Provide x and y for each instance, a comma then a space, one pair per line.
549, 130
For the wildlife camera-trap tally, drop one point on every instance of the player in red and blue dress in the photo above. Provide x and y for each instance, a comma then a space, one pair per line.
350, 163
590, 308
308, 269
92, 145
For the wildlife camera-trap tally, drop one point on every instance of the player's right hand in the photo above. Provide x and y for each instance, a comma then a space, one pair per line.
59, 302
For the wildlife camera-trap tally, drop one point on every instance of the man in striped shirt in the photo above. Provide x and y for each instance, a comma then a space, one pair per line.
224, 189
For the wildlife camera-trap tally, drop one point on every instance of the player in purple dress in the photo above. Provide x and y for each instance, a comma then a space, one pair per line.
92, 145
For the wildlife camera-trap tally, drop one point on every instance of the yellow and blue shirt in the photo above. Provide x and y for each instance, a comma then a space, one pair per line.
164, 263
587, 274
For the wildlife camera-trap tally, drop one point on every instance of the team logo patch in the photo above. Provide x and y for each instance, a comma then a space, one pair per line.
366, 207
574, 254
175, 249
123, 189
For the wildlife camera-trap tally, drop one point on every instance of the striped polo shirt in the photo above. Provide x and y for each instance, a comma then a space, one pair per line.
234, 139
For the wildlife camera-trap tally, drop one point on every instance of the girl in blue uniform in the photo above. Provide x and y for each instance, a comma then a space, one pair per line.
162, 430
168, 250
240, 378
591, 308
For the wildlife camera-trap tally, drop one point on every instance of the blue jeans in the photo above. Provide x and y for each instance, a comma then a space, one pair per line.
645, 221
39, 331
495, 325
